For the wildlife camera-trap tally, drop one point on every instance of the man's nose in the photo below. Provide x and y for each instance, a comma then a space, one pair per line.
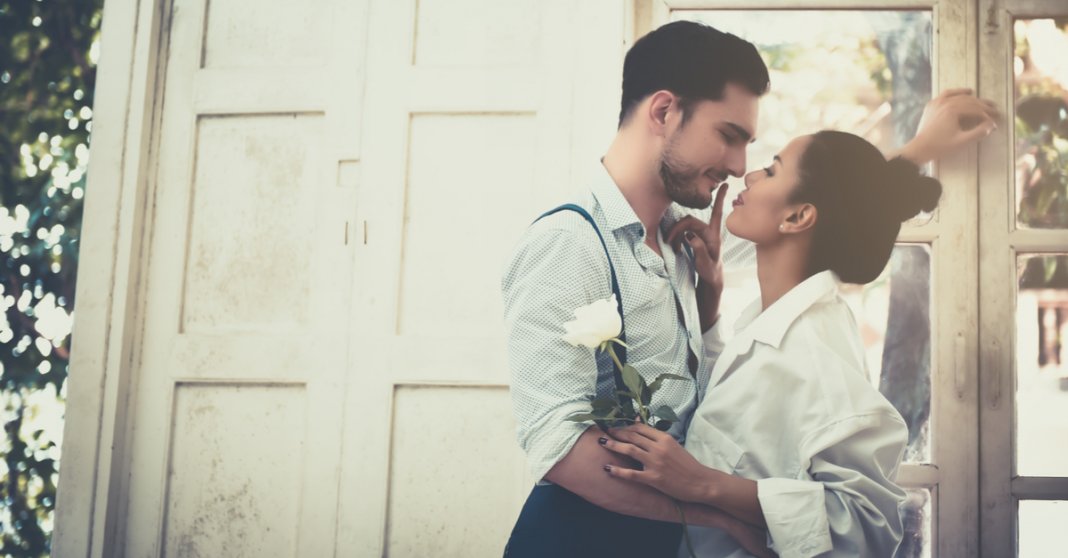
736, 162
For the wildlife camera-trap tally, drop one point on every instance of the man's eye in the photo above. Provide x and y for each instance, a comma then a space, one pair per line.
730, 139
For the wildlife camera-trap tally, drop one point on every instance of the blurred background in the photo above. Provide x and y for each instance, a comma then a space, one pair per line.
312, 290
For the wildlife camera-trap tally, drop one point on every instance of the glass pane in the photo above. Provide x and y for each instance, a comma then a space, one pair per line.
894, 316
1041, 85
1042, 528
1041, 366
916, 514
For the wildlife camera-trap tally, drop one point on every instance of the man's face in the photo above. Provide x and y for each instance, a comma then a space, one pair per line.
700, 154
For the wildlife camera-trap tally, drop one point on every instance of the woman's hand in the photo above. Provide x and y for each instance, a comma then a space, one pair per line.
953, 119
704, 239
666, 466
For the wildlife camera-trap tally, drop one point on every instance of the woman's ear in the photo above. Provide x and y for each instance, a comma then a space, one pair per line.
801, 219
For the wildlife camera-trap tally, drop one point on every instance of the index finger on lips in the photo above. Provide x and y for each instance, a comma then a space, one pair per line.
717, 212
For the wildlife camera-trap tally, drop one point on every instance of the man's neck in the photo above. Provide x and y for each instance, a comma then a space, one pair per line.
629, 165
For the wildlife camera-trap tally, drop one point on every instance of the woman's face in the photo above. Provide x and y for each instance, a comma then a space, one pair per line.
765, 203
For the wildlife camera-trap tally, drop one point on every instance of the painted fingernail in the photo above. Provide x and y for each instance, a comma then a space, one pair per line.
608, 468
602, 441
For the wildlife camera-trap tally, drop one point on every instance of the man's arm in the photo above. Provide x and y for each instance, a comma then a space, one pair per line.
953, 119
582, 471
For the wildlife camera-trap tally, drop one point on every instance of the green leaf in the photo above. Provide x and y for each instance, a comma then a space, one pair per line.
581, 417
660, 380
666, 413
632, 380
663, 425
603, 403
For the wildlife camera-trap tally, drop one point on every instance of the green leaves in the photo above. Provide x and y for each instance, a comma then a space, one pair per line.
611, 411
660, 380
633, 381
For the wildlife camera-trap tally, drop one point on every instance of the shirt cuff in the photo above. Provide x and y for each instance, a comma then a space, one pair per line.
796, 515
546, 449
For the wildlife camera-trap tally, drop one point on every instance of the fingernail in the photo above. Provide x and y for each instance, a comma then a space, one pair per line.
608, 468
602, 441
688, 235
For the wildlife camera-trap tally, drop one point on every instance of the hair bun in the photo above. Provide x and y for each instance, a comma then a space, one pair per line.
907, 191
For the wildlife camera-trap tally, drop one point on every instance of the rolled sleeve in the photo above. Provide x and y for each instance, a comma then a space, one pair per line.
792, 512
558, 267
850, 505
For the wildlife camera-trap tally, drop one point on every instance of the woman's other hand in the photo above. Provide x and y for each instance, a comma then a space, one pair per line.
953, 119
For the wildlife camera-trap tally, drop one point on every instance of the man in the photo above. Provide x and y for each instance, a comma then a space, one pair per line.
689, 109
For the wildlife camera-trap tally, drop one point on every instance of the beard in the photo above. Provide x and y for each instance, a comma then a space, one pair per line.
680, 180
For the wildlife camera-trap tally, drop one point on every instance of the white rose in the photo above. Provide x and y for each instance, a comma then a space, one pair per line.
594, 324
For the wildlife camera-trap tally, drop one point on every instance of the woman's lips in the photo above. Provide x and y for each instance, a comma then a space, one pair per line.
738, 201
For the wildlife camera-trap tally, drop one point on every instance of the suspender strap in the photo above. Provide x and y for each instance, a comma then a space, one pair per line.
620, 350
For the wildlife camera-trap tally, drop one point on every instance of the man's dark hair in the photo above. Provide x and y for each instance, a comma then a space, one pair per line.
693, 61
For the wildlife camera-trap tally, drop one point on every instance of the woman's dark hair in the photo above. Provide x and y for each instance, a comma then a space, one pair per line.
861, 199
693, 61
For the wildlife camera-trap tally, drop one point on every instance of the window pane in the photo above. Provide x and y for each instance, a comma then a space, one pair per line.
894, 316
1041, 368
1042, 528
916, 515
1041, 122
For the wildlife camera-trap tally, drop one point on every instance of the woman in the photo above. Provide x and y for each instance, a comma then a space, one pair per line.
791, 435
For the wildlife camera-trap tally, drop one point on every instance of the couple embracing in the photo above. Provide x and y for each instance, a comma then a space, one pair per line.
778, 442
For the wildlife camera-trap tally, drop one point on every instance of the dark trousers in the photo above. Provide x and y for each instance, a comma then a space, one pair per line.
556, 523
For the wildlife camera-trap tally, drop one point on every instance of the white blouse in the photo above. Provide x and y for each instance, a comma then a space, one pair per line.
789, 405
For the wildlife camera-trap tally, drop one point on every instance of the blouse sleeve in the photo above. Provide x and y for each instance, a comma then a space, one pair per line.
848, 503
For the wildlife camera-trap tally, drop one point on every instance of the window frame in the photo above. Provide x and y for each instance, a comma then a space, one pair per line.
1001, 241
952, 475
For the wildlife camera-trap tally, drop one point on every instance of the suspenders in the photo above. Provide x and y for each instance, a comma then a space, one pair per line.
621, 351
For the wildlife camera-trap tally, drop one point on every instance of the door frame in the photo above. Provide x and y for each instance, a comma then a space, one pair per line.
108, 290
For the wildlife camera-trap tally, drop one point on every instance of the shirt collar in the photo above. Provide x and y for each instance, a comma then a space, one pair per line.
770, 326
617, 210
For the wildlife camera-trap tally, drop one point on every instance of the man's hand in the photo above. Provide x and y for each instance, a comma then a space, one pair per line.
953, 119
704, 239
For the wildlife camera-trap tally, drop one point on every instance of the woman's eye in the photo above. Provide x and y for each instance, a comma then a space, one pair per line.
768, 171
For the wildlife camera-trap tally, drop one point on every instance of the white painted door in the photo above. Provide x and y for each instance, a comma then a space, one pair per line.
479, 115
235, 420
321, 365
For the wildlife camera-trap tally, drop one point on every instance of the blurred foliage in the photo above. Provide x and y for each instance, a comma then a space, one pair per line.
47, 73
1041, 127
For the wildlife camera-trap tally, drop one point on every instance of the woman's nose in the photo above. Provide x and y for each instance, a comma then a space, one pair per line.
748, 178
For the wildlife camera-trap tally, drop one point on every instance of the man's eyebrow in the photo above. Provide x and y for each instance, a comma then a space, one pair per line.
746, 136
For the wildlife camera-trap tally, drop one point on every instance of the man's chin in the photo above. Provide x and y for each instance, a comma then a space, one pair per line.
694, 202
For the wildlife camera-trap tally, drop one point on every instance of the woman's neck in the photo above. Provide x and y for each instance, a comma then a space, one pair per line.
781, 267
